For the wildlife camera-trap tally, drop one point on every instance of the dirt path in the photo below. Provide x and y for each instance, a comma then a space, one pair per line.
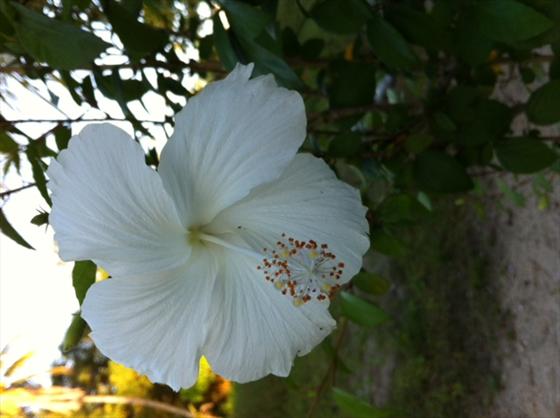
527, 268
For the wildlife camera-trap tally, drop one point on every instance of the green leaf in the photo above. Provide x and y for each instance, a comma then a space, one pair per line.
372, 283
171, 85
470, 44
353, 407
74, 333
135, 89
247, 21
112, 86
87, 91
543, 107
341, 16
420, 28
345, 145
389, 45
8, 230
360, 311
268, 62
138, 38
435, 171
61, 137
223, 45
83, 276
60, 44
10, 148
387, 244
352, 84
524, 155
34, 155
40, 219
401, 208
312, 48
416, 143
509, 20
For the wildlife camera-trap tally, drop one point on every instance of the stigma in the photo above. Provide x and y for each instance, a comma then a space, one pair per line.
304, 270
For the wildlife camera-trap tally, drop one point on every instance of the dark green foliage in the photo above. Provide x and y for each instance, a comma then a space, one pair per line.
543, 107
389, 45
438, 172
341, 17
352, 84
524, 155
10, 150
62, 45
138, 38
509, 20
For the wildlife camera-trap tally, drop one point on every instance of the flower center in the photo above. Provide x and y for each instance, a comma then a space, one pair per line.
302, 269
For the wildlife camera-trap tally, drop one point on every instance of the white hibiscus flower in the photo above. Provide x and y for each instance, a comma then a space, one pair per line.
230, 250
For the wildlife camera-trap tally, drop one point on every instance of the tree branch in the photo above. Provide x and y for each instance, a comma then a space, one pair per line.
6, 122
330, 371
210, 66
19, 189
335, 114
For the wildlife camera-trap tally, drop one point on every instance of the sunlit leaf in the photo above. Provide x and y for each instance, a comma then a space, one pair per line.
83, 276
74, 333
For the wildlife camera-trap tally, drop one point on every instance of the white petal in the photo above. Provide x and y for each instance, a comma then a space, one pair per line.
109, 206
232, 136
306, 202
154, 324
254, 330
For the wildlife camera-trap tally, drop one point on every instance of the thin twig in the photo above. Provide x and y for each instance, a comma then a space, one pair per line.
335, 114
210, 66
534, 58
7, 122
330, 370
19, 189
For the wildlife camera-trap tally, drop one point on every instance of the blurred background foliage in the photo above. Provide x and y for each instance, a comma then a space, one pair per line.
403, 101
